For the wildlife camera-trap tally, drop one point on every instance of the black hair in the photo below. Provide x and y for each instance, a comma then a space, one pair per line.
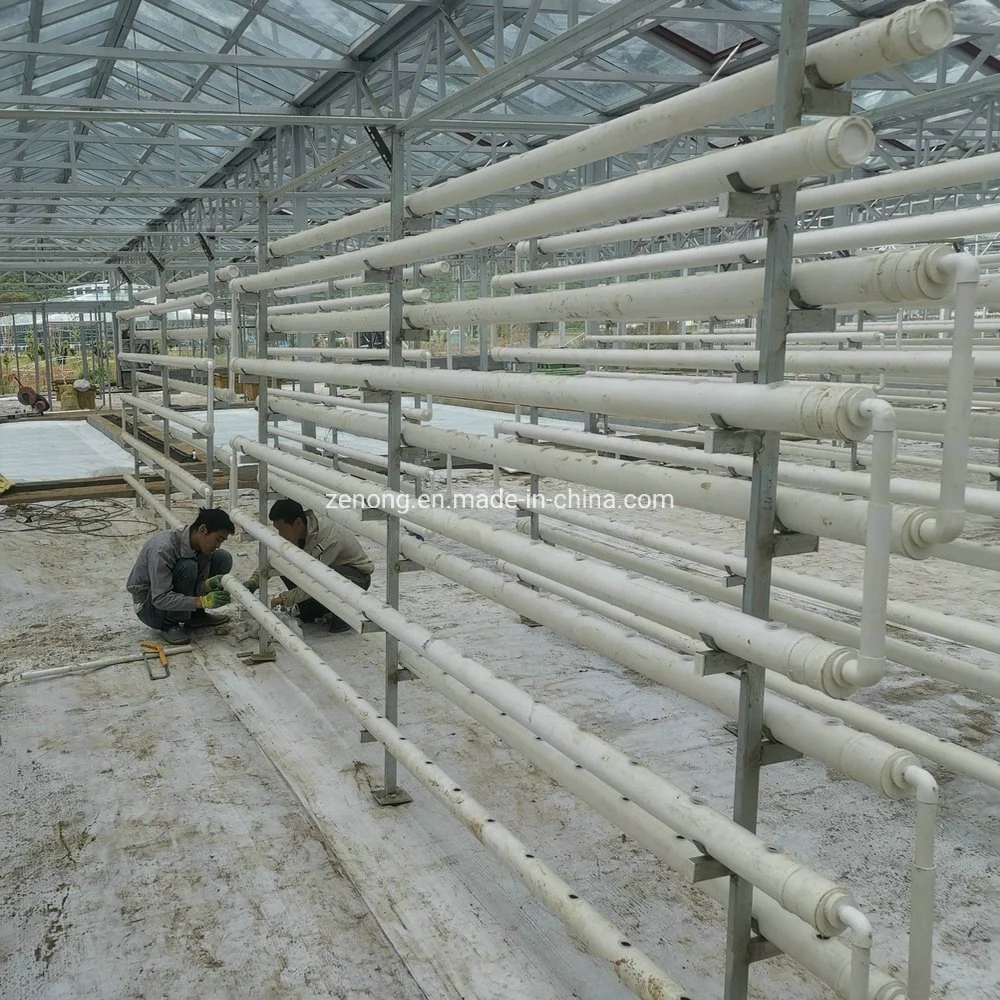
214, 520
287, 511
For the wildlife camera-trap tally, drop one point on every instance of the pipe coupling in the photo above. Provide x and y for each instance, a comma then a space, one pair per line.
913, 274
915, 31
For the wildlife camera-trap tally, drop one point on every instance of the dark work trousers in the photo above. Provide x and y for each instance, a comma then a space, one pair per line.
189, 578
310, 609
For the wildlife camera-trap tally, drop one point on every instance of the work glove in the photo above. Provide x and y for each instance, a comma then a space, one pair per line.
215, 599
213, 583
282, 600
253, 584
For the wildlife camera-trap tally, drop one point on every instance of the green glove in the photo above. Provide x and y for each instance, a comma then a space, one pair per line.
253, 583
214, 583
215, 599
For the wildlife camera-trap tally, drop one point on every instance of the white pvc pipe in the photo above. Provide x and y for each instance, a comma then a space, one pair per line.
907, 34
336, 402
434, 269
406, 468
361, 354
803, 657
201, 280
204, 300
937, 226
749, 336
799, 510
196, 388
601, 938
830, 145
947, 523
820, 410
181, 334
879, 765
892, 183
157, 460
411, 295
922, 879
164, 412
154, 503
800, 890
170, 361
827, 959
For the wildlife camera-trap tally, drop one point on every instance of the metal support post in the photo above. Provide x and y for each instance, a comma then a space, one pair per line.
300, 221
390, 794
47, 342
772, 328
262, 489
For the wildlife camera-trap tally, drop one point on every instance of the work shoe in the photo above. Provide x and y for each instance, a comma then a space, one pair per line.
338, 625
202, 619
176, 634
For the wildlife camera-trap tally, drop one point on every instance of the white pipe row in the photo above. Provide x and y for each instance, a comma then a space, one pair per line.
435, 269
830, 145
411, 295
908, 34
896, 276
601, 938
361, 354
170, 361
938, 226
201, 280
797, 888
799, 510
202, 427
748, 335
865, 759
822, 410
157, 460
202, 301
892, 183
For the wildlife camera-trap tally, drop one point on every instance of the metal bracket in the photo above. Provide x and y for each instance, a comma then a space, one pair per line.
774, 752
379, 143
206, 249
745, 205
825, 101
366, 737
793, 543
402, 674
734, 579
397, 797
408, 566
529, 622
375, 396
408, 453
716, 661
157, 263
702, 868
414, 224
732, 441
374, 276
415, 336
759, 949
373, 514
812, 320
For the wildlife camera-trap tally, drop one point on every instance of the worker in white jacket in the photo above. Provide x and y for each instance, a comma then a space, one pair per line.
331, 543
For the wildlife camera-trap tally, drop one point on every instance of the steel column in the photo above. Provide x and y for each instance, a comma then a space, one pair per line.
772, 329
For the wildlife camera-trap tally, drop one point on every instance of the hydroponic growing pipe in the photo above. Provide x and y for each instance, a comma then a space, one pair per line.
907, 34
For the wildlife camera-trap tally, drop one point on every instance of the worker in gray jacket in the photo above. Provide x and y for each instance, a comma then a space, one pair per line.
177, 577
331, 543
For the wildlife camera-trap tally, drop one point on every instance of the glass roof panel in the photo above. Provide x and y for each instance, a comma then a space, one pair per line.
224, 13
639, 56
275, 38
550, 101
188, 35
53, 32
331, 19
14, 14
714, 37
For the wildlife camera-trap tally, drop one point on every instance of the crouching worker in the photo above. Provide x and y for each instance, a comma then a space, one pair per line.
177, 578
332, 544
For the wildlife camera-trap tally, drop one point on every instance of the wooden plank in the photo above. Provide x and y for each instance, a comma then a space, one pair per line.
104, 488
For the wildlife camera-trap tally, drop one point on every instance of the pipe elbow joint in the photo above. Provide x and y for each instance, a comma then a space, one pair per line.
963, 268
878, 413
928, 528
857, 924
923, 784
862, 671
